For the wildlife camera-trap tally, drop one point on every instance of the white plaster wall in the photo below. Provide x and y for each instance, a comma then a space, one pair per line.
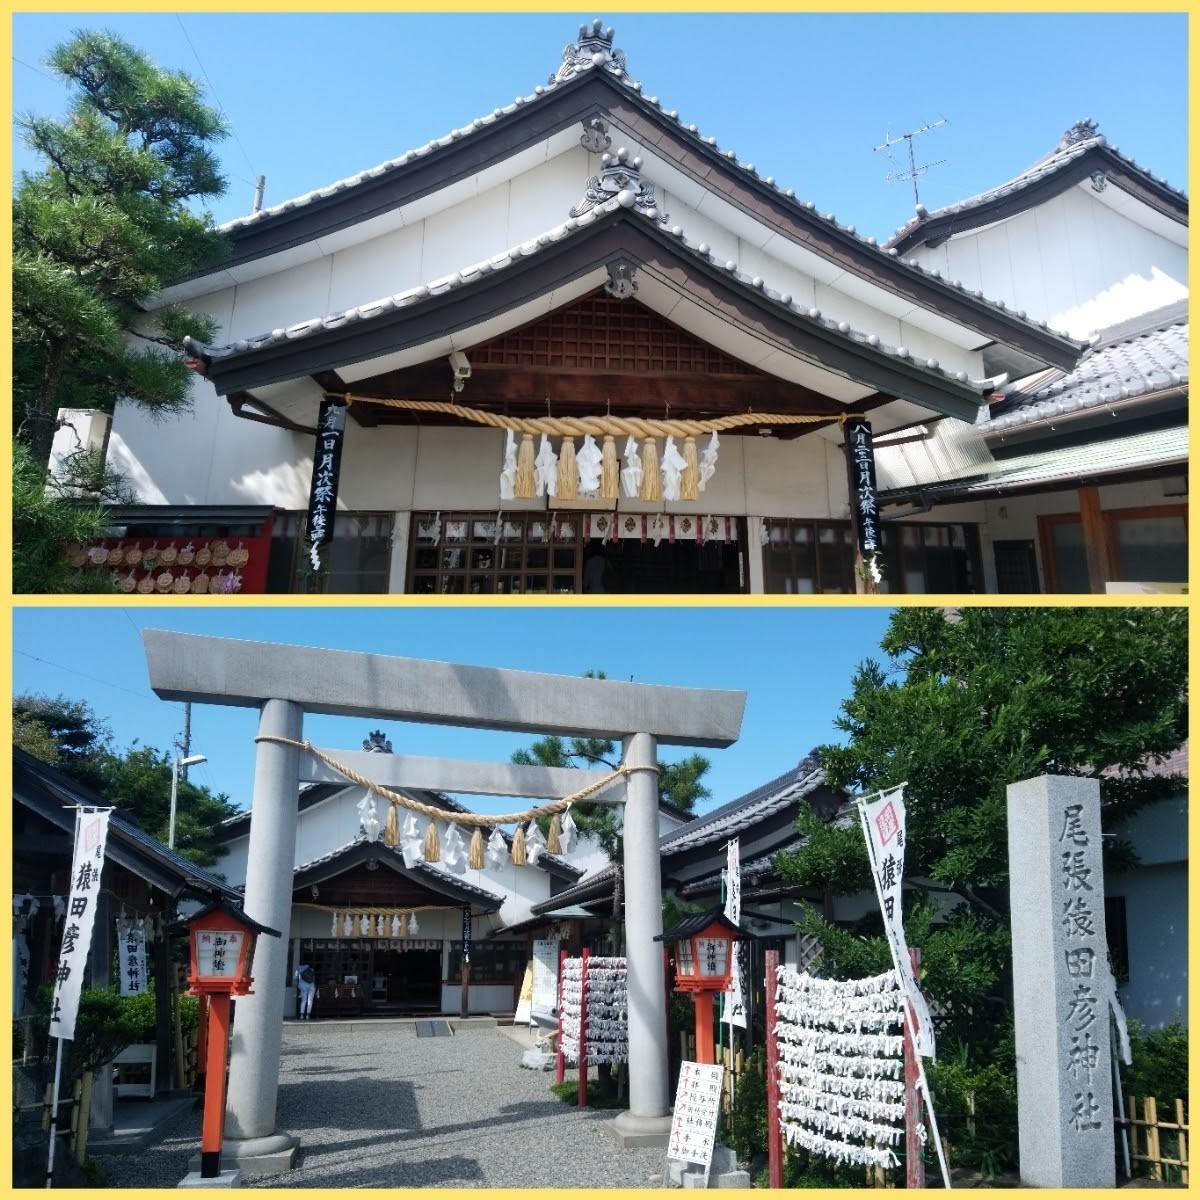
1156, 915
1073, 261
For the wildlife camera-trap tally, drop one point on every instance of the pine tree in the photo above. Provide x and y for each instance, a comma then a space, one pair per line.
101, 230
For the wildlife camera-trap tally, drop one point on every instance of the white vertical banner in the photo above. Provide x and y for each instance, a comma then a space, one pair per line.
733, 1001
883, 823
131, 955
733, 882
91, 834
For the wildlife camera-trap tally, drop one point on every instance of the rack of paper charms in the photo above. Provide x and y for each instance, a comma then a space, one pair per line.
593, 1013
178, 566
841, 1066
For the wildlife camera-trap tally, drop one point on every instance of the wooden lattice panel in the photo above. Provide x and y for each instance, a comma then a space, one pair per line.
599, 333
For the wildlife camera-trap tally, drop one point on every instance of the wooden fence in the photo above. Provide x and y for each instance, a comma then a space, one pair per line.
1157, 1143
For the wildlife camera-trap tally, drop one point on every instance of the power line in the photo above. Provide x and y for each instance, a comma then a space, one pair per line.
213, 91
82, 674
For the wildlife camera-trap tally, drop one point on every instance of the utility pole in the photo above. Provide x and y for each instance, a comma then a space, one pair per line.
913, 170
185, 742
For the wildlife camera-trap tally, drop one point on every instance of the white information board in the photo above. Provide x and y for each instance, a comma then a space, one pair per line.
697, 1105
545, 976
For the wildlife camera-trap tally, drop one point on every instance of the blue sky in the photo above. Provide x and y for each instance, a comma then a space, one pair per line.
315, 97
795, 663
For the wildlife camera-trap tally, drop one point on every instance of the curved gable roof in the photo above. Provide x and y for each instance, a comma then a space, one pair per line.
592, 86
1081, 154
580, 250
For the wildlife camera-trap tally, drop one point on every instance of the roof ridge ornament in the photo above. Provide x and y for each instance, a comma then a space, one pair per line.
620, 179
593, 49
1082, 131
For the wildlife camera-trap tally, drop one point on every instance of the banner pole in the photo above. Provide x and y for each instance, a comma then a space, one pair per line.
58, 1061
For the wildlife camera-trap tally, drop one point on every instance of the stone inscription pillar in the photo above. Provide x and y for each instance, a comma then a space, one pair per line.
648, 1121
1060, 967
258, 1018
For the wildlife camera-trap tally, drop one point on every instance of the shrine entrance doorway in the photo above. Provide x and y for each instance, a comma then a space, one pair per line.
405, 981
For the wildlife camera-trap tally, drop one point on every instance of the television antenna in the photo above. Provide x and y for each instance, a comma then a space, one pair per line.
913, 169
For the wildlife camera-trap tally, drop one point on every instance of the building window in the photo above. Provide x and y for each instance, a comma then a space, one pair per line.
808, 557
358, 559
491, 962
461, 553
922, 558
817, 557
1141, 545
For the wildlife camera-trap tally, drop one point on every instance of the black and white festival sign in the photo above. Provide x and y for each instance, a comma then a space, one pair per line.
327, 465
862, 493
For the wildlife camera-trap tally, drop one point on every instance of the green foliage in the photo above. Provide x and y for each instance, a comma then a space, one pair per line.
975, 1098
45, 520
1160, 1064
65, 732
747, 1127
103, 228
597, 1097
105, 1025
831, 856
678, 783
138, 781
968, 703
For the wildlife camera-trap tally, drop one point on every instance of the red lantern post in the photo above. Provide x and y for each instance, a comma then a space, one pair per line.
703, 966
222, 952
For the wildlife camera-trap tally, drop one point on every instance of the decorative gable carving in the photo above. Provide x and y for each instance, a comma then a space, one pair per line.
594, 49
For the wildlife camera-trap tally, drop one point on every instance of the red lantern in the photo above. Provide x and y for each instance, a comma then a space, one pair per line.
703, 966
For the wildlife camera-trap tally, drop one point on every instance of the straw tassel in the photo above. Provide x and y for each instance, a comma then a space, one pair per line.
523, 485
554, 837
651, 480
689, 477
518, 847
391, 828
610, 473
568, 472
475, 858
433, 852
404, 925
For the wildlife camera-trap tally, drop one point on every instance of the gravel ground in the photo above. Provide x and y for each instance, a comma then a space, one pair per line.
375, 1106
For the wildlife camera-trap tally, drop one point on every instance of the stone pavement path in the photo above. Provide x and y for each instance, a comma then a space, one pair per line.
376, 1106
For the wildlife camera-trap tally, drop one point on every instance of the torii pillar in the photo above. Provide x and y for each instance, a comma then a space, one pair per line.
283, 682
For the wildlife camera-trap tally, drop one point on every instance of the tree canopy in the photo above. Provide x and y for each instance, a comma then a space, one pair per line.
679, 783
102, 229
69, 734
968, 702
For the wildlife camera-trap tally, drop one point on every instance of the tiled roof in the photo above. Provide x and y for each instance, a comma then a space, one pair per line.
1153, 360
718, 826
128, 843
592, 55
724, 823
573, 227
1082, 139
436, 877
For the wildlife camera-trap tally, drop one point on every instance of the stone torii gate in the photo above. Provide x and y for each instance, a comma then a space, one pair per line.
283, 682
